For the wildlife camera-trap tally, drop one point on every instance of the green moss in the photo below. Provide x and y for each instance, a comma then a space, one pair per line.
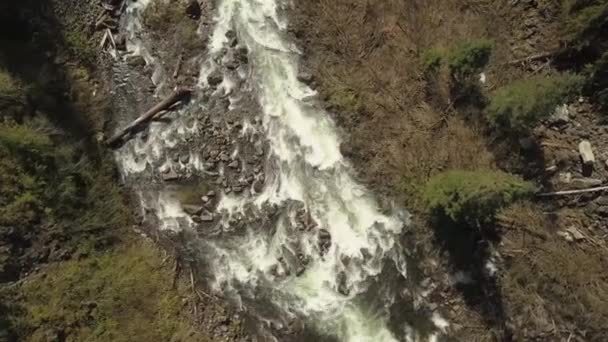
122, 295
473, 197
520, 105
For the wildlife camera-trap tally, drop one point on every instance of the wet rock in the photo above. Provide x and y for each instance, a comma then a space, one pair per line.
347, 150
242, 54
586, 153
237, 189
602, 211
233, 42
170, 176
342, 284
259, 150
575, 233
192, 210
206, 217
215, 78
305, 77
211, 193
584, 183
230, 34
205, 199
136, 61
194, 10
565, 177
184, 158
234, 164
324, 241
258, 186
121, 42
561, 115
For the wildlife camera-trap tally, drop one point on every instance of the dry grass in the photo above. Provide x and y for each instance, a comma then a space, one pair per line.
552, 282
367, 56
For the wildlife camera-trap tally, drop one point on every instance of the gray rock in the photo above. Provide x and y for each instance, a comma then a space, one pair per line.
575, 233
136, 61
305, 77
586, 152
215, 78
192, 209
205, 199
561, 115
230, 34
170, 176
258, 186
584, 183
184, 158
234, 164
565, 177
237, 189
206, 217
242, 54
211, 193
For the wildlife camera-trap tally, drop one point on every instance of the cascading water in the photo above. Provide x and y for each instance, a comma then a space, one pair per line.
276, 270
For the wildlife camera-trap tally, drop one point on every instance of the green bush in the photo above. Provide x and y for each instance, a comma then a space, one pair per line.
584, 21
125, 294
463, 60
43, 179
473, 197
468, 58
520, 105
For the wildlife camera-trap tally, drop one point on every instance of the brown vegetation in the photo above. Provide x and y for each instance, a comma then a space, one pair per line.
404, 124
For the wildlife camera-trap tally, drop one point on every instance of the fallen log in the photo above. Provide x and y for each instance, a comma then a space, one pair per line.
177, 95
573, 192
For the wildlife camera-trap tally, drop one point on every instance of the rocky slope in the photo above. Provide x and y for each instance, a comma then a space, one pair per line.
366, 59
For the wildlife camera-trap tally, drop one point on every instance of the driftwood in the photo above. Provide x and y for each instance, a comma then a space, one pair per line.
177, 95
178, 66
534, 57
573, 192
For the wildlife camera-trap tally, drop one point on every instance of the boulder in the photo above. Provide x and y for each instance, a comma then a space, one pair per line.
194, 10
206, 217
192, 210
215, 78
561, 115
305, 77
585, 183
586, 152
136, 61
170, 176
575, 233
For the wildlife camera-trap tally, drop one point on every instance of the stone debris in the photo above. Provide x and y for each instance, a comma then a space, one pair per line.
586, 153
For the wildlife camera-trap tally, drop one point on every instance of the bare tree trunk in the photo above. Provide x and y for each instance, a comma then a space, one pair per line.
149, 115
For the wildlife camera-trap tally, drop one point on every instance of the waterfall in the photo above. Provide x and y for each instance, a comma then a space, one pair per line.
321, 256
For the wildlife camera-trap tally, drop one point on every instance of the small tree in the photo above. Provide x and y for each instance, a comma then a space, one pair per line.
469, 58
473, 197
463, 60
520, 105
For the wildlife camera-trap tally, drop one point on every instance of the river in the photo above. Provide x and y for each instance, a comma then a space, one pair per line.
330, 275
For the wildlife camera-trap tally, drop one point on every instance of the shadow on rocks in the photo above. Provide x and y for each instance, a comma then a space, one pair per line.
470, 252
